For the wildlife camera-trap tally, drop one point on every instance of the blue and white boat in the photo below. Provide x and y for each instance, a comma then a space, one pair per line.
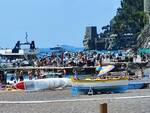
101, 85
138, 83
114, 85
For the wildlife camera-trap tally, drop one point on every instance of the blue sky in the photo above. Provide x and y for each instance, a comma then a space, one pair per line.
52, 22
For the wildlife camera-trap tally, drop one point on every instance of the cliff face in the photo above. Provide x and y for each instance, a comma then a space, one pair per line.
127, 24
143, 40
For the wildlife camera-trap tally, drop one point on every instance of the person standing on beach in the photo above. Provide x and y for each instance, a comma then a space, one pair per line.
75, 74
142, 72
16, 75
38, 74
64, 73
21, 78
30, 74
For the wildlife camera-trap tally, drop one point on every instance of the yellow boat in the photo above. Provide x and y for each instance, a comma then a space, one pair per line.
110, 84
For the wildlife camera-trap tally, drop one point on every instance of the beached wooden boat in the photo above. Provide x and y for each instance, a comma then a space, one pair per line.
109, 84
138, 83
115, 85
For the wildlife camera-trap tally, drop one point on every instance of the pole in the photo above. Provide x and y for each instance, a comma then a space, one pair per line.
103, 108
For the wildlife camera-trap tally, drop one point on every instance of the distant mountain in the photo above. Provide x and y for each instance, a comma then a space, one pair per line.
72, 48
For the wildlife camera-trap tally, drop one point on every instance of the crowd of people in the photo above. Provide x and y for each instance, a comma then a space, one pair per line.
32, 74
66, 59
86, 59
80, 59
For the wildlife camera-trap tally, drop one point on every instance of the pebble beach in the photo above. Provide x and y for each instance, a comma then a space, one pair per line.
61, 101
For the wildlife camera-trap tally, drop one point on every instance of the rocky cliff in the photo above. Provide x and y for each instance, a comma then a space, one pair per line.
143, 40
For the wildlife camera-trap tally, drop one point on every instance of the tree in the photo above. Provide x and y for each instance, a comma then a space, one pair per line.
129, 17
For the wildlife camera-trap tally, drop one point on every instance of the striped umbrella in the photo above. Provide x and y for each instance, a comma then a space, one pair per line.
105, 69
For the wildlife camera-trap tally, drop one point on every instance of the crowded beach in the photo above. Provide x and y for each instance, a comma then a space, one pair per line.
66, 60
66, 63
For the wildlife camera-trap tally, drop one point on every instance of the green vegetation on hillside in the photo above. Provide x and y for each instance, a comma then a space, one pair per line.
130, 18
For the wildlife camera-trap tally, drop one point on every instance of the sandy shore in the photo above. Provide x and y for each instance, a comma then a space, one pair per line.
61, 101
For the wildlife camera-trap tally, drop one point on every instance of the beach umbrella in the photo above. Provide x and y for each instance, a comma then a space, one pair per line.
105, 69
